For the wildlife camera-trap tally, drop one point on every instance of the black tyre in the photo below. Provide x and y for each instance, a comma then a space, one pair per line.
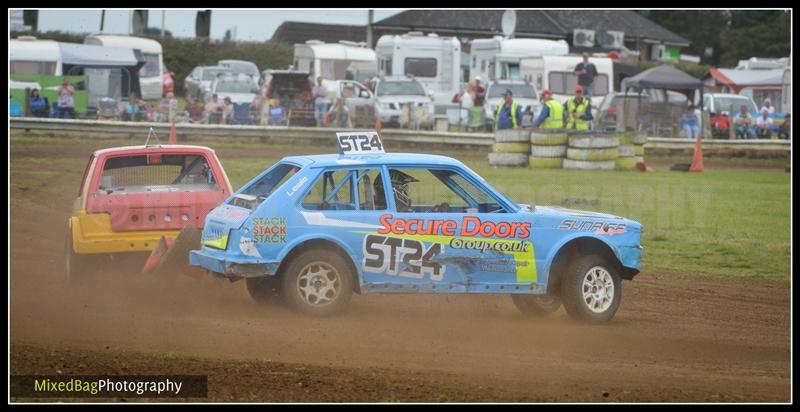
537, 305
76, 265
318, 282
591, 289
264, 290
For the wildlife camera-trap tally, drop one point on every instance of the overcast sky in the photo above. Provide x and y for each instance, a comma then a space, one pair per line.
253, 25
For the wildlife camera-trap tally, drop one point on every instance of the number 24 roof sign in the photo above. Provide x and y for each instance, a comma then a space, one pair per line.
358, 143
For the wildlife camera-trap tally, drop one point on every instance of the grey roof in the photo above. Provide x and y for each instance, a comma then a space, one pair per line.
662, 77
293, 32
86, 55
546, 23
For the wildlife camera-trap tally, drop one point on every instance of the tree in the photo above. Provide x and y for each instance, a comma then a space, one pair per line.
703, 29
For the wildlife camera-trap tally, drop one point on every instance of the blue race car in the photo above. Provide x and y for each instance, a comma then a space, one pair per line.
314, 229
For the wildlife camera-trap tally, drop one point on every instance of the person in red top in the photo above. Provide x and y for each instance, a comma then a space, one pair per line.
478, 92
720, 124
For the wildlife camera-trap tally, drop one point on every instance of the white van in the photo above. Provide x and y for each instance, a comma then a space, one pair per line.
332, 60
432, 60
151, 74
498, 58
27, 55
557, 73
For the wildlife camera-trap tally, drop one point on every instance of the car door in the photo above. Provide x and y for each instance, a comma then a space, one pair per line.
444, 232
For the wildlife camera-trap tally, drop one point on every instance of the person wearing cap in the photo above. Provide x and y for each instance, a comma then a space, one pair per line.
579, 111
552, 114
478, 93
509, 113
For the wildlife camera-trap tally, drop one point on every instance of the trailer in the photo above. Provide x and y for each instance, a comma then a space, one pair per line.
434, 61
557, 73
151, 75
499, 58
333, 61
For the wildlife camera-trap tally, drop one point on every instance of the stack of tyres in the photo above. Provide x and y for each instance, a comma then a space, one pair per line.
639, 140
511, 148
548, 148
626, 159
592, 151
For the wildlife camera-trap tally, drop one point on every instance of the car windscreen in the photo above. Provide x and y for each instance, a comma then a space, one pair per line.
392, 88
524, 91
242, 68
211, 74
726, 103
235, 86
156, 173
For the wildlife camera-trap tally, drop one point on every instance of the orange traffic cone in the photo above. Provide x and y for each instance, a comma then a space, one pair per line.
173, 134
697, 162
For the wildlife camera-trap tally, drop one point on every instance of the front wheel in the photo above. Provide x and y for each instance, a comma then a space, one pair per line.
536, 305
318, 282
591, 289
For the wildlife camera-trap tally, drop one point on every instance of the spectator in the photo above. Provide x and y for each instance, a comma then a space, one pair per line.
167, 109
478, 93
764, 125
38, 105
578, 113
320, 93
464, 98
743, 122
214, 110
66, 99
14, 107
277, 113
509, 113
228, 111
194, 108
340, 113
586, 73
786, 127
720, 126
689, 122
134, 110
768, 106
552, 114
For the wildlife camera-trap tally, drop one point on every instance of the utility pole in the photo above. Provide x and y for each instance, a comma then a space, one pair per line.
102, 19
370, 16
163, 18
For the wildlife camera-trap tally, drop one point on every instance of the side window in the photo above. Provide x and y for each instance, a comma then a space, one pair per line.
333, 191
438, 191
388, 69
420, 67
263, 187
371, 195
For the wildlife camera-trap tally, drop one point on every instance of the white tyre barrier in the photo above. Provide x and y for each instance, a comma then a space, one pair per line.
508, 159
592, 155
587, 165
548, 151
512, 135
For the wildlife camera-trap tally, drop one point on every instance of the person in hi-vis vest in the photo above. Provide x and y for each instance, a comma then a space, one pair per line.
552, 114
578, 113
508, 114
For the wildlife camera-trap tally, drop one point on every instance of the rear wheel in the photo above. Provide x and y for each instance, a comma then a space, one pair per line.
265, 289
538, 305
76, 265
318, 282
592, 289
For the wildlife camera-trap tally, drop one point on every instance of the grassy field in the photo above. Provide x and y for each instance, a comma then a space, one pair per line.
728, 221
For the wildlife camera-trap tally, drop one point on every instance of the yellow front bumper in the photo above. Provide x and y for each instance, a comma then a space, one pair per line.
91, 233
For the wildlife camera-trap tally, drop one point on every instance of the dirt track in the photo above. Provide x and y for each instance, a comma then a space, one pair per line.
675, 338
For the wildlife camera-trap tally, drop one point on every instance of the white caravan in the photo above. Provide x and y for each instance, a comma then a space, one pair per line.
557, 73
498, 58
432, 60
27, 55
332, 60
151, 74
